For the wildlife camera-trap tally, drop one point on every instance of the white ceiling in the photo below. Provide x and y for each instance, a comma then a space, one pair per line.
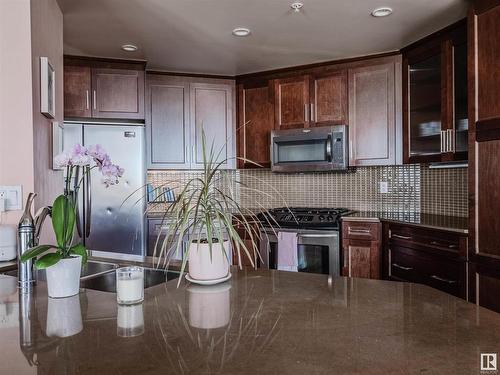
195, 35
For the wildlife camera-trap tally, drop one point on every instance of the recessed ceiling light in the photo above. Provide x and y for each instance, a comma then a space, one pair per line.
129, 48
296, 6
381, 12
241, 31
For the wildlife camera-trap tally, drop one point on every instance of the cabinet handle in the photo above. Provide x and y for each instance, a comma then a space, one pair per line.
87, 99
94, 99
313, 113
401, 237
364, 231
350, 150
435, 277
451, 140
442, 138
435, 243
306, 113
402, 267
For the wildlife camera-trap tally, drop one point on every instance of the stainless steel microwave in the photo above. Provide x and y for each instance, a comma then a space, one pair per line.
310, 150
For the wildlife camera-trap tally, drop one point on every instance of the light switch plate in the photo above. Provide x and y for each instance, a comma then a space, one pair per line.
13, 196
384, 187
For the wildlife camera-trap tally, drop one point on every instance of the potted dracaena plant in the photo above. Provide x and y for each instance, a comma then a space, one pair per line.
206, 216
63, 266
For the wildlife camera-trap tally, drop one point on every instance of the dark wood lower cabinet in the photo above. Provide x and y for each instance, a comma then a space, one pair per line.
432, 257
361, 254
248, 239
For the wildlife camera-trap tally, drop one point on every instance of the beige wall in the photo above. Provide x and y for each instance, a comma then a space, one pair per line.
16, 112
46, 40
29, 30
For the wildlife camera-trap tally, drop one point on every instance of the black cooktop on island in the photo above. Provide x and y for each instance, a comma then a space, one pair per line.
304, 217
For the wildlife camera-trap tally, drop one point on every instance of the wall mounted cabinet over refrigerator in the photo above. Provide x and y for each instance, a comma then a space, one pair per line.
96, 89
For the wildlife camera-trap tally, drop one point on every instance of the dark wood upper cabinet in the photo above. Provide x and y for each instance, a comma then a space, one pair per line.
291, 102
435, 96
365, 95
372, 115
167, 122
318, 99
178, 110
329, 99
77, 91
255, 123
103, 88
211, 113
117, 93
484, 153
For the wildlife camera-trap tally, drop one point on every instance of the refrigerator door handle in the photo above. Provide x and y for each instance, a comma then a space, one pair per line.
78, 221
79, 228
88, 194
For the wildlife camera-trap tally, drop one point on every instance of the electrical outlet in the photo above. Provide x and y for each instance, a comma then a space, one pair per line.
13, 196
384, 187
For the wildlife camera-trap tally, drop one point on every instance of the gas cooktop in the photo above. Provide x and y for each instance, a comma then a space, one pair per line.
304, 217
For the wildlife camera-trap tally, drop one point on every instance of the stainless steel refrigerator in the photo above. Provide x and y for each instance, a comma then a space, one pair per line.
108, 221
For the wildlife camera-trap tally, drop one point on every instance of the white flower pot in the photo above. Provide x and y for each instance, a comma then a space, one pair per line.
64, 317
63, 278
202, 267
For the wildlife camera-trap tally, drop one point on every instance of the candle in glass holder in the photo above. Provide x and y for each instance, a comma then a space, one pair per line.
129, 285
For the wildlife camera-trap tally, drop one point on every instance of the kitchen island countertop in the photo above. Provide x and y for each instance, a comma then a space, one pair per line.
259, 322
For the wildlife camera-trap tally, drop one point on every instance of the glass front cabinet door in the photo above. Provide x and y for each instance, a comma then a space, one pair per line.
435, 99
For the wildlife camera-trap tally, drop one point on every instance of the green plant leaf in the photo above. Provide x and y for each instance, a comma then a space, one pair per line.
63, 220
80, 250
48, 260
35, 251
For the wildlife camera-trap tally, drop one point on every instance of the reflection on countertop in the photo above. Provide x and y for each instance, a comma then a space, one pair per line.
260, 321
449, 223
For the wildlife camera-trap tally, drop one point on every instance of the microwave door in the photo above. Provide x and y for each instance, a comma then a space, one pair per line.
310, 150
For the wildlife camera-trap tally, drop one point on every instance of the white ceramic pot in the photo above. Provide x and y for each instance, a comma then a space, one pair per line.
209, 306
64, 317
63, 278
202, 267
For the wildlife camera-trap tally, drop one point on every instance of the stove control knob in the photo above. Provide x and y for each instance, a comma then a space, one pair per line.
330, 218
321, 218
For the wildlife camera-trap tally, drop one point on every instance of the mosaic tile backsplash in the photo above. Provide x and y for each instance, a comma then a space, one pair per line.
411, 188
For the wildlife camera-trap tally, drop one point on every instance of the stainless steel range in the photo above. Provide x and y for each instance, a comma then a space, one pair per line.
318, 240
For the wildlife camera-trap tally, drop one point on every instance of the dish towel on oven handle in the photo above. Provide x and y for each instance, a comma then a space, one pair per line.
287, 251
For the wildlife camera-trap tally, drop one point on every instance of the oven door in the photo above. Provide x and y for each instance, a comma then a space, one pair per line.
317, 251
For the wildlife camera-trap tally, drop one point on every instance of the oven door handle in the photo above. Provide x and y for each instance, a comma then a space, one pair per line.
318, 235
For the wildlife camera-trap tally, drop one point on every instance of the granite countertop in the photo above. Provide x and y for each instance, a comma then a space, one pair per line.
259, 322
448, 223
